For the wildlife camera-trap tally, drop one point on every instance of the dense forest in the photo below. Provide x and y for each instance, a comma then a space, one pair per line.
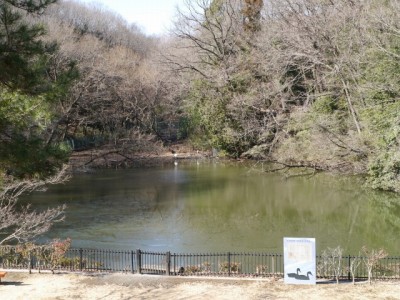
299, 83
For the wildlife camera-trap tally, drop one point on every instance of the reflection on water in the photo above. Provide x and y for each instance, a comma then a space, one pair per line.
217, 207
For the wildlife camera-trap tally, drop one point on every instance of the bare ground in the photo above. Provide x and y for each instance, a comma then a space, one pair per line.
127, 286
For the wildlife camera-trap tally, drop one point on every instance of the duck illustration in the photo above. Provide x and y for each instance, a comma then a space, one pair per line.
303, 277
294, 274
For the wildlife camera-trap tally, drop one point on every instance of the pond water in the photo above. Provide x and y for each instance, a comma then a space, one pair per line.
213, 206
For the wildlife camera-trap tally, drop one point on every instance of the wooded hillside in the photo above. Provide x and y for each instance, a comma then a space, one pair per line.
302, 83
310, 83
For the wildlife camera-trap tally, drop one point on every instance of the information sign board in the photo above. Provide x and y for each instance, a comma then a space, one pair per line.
299, 260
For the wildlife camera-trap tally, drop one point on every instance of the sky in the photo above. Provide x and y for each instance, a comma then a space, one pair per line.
153, 16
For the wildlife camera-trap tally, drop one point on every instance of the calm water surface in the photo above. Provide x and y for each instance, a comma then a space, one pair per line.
218, 207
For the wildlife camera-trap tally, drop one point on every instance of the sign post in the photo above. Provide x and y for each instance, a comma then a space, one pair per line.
299, 260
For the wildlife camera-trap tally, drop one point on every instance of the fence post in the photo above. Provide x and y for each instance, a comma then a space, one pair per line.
30, 262
273, 264
81, 259
138, 261
348, 265
229, 264
132, 264
168, 263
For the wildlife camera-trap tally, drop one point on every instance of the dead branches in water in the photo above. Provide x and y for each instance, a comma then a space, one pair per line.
291, 169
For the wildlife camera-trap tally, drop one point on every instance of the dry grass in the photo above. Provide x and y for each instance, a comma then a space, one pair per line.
127, 286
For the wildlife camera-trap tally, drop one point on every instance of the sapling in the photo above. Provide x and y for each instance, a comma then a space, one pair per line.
354, 263
332, 258
371, 259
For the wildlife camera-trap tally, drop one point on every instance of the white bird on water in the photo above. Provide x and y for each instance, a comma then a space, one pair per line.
175, 156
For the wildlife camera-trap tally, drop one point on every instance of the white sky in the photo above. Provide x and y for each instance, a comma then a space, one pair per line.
153, 16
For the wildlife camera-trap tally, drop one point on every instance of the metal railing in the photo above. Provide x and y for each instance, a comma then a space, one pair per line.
185, 264
227, 264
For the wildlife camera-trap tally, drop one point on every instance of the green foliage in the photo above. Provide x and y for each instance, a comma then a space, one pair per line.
22, 52
59, 84
206, 106
183, 128
23, 111
23, 157
24, 120
384, 171
31, 6
381, 77
26, 91
215, 121
325, 105
382, 122
240, 82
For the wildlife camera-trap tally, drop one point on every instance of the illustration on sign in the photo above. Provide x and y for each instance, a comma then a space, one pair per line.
299, 260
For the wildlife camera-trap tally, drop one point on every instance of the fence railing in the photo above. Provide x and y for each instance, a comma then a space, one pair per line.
185, 264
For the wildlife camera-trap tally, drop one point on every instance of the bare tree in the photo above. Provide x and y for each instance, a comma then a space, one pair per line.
354, 264
108, 26
371, 258
211, 31
118, 98
23, 224
332, 258
212, 51
312, 54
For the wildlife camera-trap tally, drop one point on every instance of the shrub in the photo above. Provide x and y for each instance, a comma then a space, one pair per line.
232, 267
371, 259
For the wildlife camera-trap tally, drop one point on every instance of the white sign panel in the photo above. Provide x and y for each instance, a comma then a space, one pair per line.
299, 260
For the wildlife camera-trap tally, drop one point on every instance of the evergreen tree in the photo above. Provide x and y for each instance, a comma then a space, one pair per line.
22, 53
28, 158
26, 92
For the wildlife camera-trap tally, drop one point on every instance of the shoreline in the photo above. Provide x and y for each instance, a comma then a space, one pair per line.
92, 160
97, 159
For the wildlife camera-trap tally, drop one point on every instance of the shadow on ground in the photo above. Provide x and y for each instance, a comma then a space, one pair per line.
16, 283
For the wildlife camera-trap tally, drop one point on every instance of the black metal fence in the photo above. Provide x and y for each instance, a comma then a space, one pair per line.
167, 263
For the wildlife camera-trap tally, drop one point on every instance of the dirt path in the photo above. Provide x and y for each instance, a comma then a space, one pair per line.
126, 286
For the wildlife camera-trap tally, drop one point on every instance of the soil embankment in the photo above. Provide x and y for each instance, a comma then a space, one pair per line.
119, 158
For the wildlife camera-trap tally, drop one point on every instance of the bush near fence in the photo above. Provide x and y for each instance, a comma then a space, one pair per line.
174, 264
